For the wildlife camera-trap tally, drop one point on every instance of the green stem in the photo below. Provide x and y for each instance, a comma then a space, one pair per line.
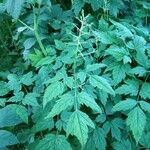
75, 65
38, 37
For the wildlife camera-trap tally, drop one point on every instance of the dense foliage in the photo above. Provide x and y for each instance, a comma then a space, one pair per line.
74, 74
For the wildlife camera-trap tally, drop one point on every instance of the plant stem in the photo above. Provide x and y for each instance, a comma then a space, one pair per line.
38, 37
75, 63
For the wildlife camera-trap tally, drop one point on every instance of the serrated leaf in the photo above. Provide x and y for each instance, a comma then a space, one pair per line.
140, 71
14, 7
94, 67
42, 125
101, 83
124, 31
119, 71
21, 111
125, 105
4, 89
27, 79
137, 121
78, 125
145, 106
131, 87
85, 98
99, 139
53, 142
8, 117
81, 76
63, 103
31, 99
145, 90
52, 91
122, 145
117, 52
7, 139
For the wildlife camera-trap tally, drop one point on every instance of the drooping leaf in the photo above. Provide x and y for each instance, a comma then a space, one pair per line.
137, 121
130, 87
145, 106
101, 83
52, 91
99, 139
85, 98
78, 125
125, 105
144, 92
94, 67
63, 103
53, 142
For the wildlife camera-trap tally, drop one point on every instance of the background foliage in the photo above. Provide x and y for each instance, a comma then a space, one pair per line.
74, 74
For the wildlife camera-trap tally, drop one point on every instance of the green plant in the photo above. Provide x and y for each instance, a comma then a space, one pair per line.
81, 78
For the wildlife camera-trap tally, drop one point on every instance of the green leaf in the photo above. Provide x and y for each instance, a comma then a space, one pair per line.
45, 61
81, 76
53, 142
119, 71
99, 139
140, 71
4, 89
62, 104
21, 111
125, 105
77, 6
52, 91
94, 67
145, 106
145, 90
27, 79
8, 117
117, 52
42, 125
122, 145
7, 139
101, 83
14, 83
85, 98
78, 125
123, 30
14, 7
31, 99
130, 87
137, 121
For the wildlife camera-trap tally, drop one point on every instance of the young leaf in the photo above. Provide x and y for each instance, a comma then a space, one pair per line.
124, 105
63, 103
53, 142
137, 121
101, 83
85, 98
78, 126
145, 106
52, 91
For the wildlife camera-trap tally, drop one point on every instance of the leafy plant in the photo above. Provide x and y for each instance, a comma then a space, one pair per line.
79, 75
